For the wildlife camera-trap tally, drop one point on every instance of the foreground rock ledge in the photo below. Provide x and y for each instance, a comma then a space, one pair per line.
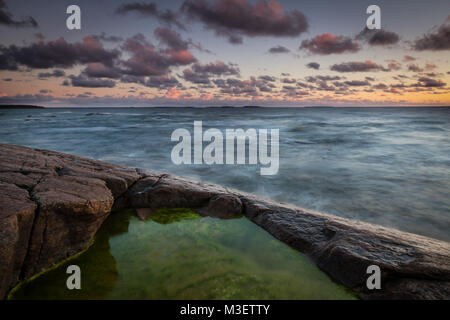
52, 204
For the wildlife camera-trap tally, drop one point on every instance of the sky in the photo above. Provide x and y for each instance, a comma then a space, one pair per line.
225, 52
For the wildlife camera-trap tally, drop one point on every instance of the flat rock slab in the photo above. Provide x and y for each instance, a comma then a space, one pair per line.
52, 204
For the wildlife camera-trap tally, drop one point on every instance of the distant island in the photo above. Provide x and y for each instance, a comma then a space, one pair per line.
19, 106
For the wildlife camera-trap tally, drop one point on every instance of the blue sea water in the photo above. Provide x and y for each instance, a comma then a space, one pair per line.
389, 166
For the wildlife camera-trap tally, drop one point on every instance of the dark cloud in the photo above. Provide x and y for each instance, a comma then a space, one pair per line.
380, 86
58, 53
201, 73
235, 18
314, 79
7, 19
234, 86
267, 78
171, 38
378, 37
147, 60
279, 49
439, 40
54, 74
218, 68
197, 78
358, 67
357, 83
133, 79
151, 10
430, 83
313, 65
162, 82
85, 82
26, 98
328, 43
99, 70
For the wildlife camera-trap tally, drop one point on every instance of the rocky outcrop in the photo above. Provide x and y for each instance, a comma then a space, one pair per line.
412, 266
52, 204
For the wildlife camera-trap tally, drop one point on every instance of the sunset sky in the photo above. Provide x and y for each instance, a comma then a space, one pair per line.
225, 52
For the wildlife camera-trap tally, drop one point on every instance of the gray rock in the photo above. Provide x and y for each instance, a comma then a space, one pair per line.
52, 204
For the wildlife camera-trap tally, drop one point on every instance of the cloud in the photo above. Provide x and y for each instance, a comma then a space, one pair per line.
237, 18
54, 74
380, 86
357, 83
218, 68
439, 40
171, 39
321, 78
313, 65
162, 82
147, 60
430, 83
378, 37
58, 53
85, 82
414, 67
358, 67
328, 43
236, 87
288, 80
7, 19
201, 73
197, 78
99, 70
394, 65
151, 10
267, 78
279, 49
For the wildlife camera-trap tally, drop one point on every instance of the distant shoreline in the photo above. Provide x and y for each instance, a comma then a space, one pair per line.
20, 106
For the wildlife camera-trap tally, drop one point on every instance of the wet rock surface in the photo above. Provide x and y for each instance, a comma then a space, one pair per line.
52, 204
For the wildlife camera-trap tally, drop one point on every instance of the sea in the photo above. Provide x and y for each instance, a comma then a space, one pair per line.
388, 166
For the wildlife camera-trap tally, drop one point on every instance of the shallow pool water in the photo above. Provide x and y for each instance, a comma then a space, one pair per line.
177, 254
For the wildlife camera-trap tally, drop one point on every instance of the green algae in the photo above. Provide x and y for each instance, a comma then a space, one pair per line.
177, 254
171, 215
